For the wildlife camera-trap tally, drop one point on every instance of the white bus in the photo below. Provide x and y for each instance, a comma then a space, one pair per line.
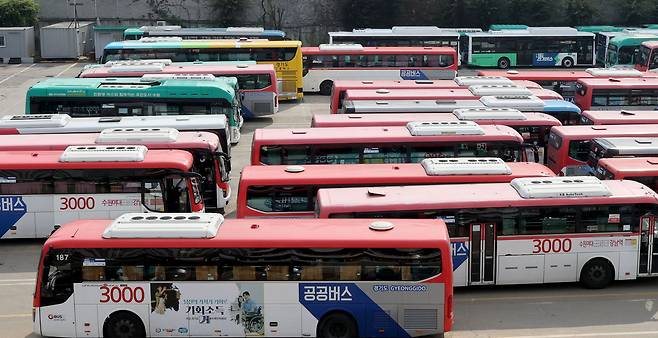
326, 63
200, 275
529, 231
40, 190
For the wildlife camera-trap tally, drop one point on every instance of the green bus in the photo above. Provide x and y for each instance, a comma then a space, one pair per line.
599, 28
533, 46
112, 97
624, 49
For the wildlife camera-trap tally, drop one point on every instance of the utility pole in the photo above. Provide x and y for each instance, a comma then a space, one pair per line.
75, 5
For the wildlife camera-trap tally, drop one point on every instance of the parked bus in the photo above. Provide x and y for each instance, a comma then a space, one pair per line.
289, 191
366, 145
566, 112
535, 46
619, 117
613, 147
648, 59
43, 189
197, 275
218, 160
204, 147
328, 63
398, 36
562, 82
533, 127
257, 83
203, 33
341, 86
624, 48
548, 230
108, 97
569, 146
286, 56
617, 94
639, 169
470, 93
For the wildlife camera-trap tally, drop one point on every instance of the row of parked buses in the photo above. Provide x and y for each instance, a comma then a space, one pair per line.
463, 180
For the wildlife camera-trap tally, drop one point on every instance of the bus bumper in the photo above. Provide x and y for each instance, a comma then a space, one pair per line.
36, 320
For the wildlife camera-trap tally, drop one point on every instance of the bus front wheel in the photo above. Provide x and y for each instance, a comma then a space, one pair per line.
597, 274
337, 325
567, 63
325, 87
503, 63
123, 324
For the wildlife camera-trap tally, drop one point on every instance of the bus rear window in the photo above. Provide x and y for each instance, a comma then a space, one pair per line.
579, 150
555, 141
280, 199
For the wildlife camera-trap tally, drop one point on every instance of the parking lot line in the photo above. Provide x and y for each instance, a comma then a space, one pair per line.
598, 334
12, 75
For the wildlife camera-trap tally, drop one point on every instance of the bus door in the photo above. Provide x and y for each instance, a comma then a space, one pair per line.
483, 253
648, 258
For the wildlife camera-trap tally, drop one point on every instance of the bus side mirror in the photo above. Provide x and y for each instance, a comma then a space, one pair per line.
55, 228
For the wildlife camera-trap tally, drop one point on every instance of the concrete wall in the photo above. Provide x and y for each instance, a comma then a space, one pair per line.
308, 20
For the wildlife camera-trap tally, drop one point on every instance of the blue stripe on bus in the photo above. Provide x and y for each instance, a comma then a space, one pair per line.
12, 209
372, 320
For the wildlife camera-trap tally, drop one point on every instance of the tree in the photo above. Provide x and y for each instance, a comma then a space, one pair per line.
636, 12
529, 12
370, 13
579, 12
226, 11
18, 13
273, 14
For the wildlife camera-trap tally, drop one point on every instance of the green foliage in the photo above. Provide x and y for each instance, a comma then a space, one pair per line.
579, 13
225, 12
370, 13
635, 12
18, 13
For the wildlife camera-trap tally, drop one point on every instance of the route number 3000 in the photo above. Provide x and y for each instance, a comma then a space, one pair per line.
121, 294
77, 203
551, 245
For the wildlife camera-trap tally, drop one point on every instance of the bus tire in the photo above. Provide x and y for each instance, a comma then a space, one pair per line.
337, 325
567, 62
325, 87
123, 324
597, 273
503, 63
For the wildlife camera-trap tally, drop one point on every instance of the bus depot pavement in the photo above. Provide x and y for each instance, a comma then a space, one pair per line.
626, 309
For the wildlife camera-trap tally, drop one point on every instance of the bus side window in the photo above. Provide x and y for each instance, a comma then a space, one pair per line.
152, 196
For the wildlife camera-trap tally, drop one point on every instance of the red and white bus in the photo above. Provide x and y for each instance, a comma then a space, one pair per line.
598, 117
257, 82
199, 275
328, 63
640, 169
562, 82
547, 230
569, 146
369, 145
648, 58
617, 94
158, 127
534, 127
340, 86
615, 147
470, 93
203, 146
41, 189
289, 191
